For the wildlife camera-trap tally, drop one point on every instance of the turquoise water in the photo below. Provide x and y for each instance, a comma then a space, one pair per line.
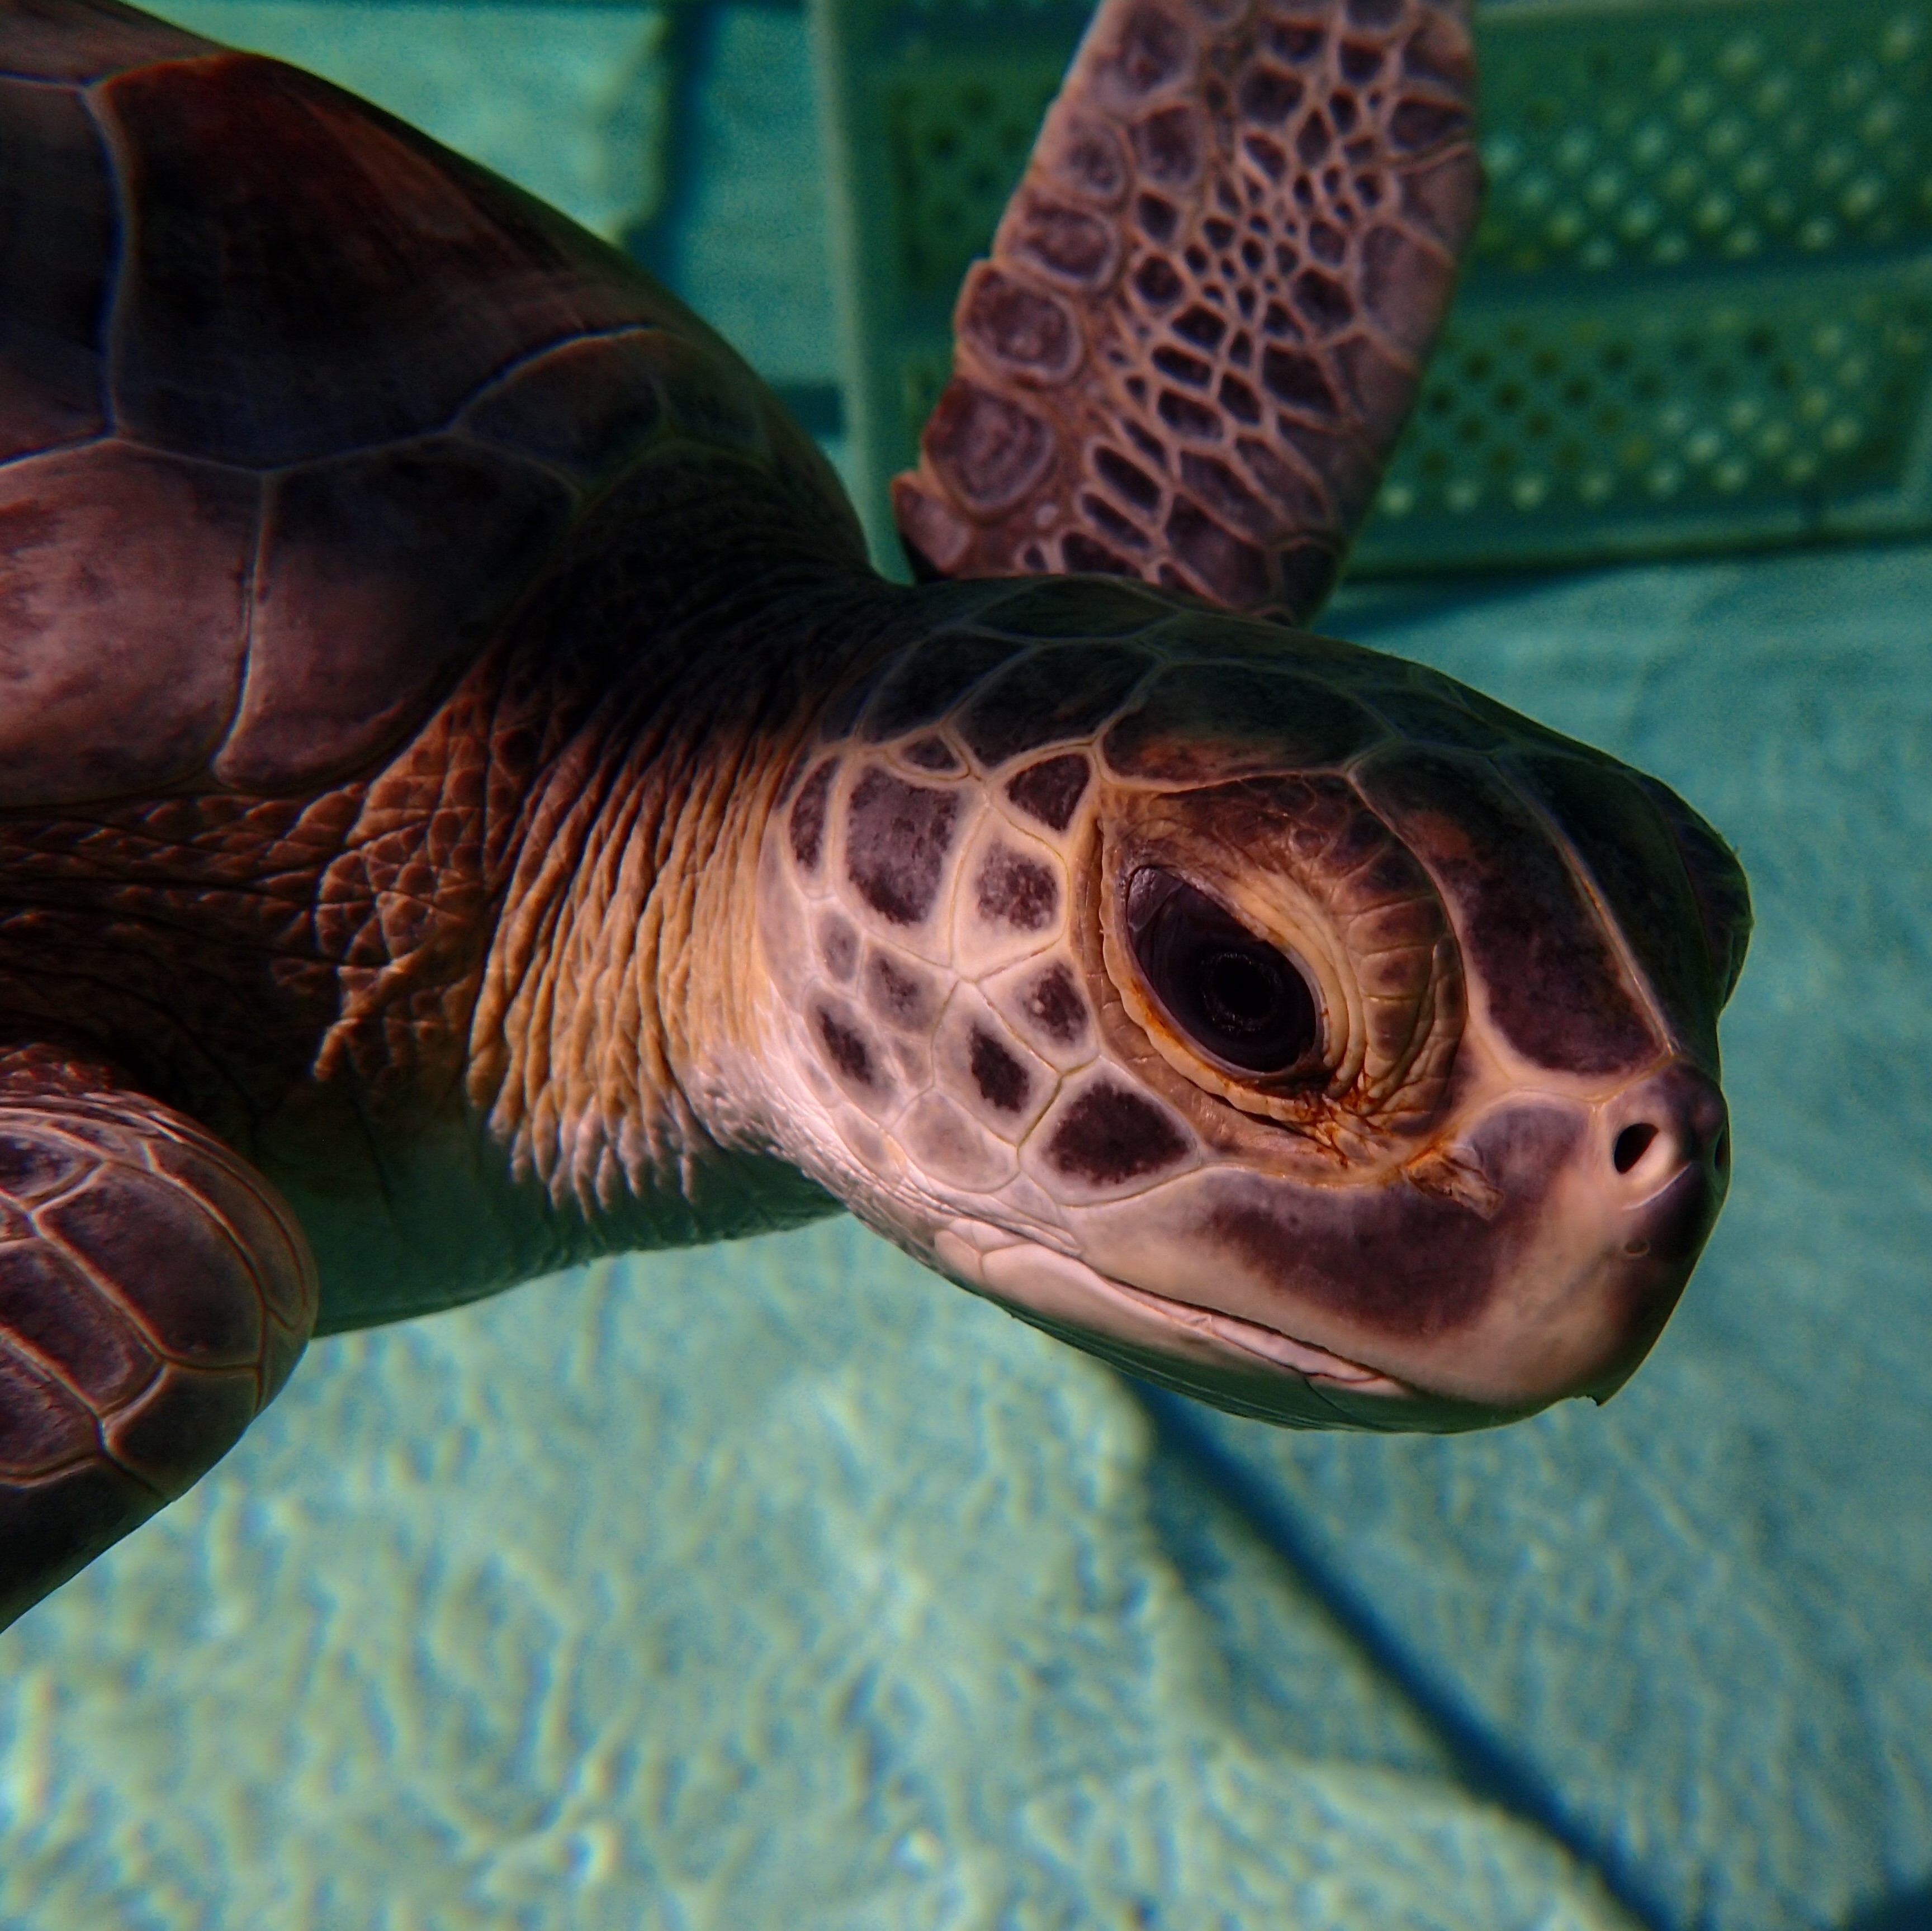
785, 1585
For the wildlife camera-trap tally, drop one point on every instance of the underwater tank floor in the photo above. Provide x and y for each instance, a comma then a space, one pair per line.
783, 1583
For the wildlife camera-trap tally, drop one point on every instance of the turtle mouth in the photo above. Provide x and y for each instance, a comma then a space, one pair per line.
1266, 1344
1224, 1358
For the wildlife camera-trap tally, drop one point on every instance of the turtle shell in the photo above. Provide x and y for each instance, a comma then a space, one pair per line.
294, 405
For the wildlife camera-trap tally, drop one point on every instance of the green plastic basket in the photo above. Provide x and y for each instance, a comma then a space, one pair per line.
1697, 315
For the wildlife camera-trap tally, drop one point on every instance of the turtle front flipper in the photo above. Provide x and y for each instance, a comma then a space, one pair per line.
155, 1295
1209, 302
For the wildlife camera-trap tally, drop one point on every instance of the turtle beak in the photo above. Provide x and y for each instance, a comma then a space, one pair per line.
1601, 1212
1662, 1149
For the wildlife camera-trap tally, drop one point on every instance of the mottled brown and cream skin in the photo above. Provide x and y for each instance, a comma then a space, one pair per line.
1483, 1187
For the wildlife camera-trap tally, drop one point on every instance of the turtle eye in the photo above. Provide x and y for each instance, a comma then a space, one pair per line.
1236, 997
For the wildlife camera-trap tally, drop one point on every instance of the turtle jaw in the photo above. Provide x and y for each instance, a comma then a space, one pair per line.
1390, 1305
1231, 1363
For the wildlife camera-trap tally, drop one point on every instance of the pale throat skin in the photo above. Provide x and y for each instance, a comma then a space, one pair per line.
456, 1007
565, 1098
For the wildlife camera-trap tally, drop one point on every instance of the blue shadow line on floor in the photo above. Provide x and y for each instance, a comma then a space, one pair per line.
1494, 1767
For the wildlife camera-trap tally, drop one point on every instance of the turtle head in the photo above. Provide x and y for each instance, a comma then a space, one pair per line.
1282, 1020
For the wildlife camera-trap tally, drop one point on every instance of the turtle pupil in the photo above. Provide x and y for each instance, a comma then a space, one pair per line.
1238, 992
1234, 995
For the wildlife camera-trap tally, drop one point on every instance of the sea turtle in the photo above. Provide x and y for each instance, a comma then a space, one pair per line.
466, 803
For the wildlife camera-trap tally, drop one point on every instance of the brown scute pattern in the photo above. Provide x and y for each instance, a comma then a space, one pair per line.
1108, 1135
585, 407
904, 997
926, 684
1632, 856
245, 1214
442, 536
1428, 717
1535, 942
1218, 635
43, 1425
708, 400
847, 1051
933, 753
1088, 554
166, 1433
1067, 244
52, 1529
1029, 332
1050, 791
1050, 611
46, 1302
338, 281
991, 452
1054, 1003
123, 622
1013, 889
807, 822
838, 947
1063, 691
189, 1285
1208, 304
897, 839
154, 1297
1004, 1082
229, 292
1201, 723
57, 211
33, 1166
86, 39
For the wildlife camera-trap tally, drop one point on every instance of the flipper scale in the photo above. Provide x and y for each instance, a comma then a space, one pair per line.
154, 1296
1209, 302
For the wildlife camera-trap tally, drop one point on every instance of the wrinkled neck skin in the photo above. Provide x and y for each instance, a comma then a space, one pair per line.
622, 980
527, 1073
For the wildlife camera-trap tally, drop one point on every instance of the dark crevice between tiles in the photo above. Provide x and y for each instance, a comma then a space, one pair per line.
1491, 1766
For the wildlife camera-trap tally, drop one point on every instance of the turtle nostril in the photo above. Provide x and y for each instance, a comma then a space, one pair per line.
1632, 1143
1720, 1154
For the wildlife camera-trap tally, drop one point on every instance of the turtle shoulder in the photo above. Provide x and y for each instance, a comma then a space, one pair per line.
295, 405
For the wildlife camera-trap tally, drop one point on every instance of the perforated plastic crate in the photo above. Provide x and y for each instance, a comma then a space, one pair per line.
1698, 314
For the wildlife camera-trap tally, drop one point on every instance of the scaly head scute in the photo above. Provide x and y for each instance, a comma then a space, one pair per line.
1278, 1019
